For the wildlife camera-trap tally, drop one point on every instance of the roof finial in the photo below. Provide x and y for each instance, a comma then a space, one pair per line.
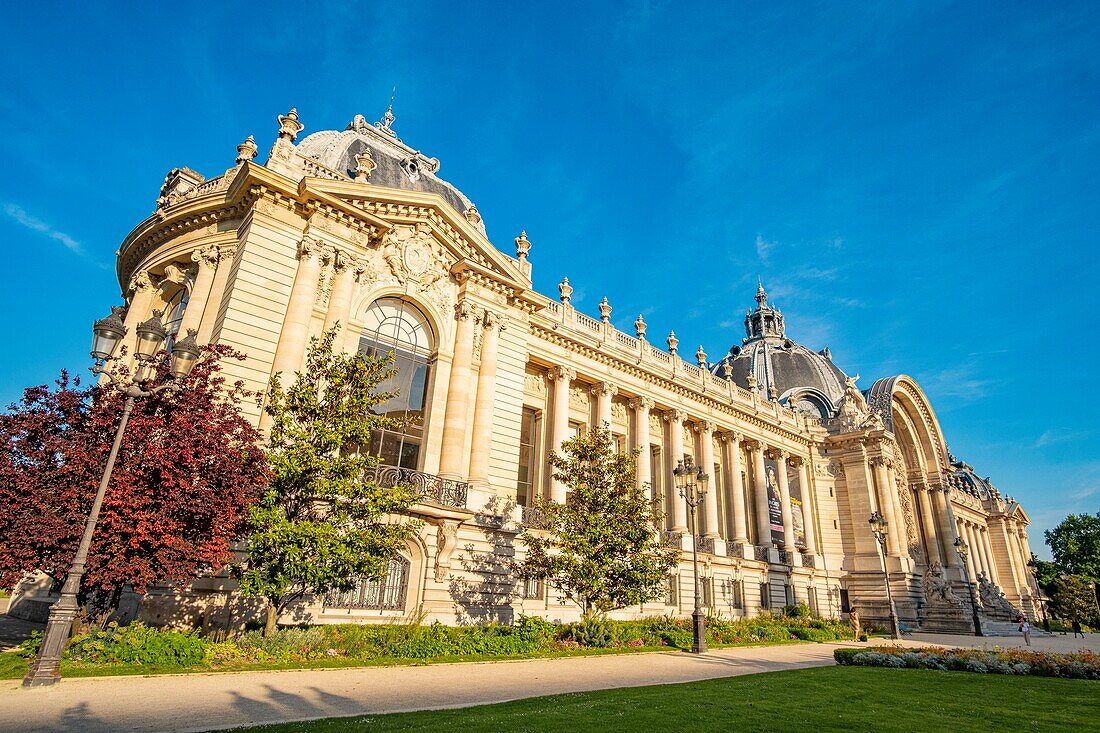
386, 123
761, 294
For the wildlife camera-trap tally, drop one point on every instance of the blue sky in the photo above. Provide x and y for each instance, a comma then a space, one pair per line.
914, 182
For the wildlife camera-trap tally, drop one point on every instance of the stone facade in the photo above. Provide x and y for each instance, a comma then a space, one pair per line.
330, 227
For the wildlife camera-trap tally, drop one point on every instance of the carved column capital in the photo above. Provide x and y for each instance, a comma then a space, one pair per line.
674, 416
208, 256
492, 319
601, 389
464, 311
708, 427
141, 281
562, 374
311, 246
642, 404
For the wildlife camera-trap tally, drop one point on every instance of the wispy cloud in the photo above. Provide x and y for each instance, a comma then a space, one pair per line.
20, 216
764, 248
1053, 436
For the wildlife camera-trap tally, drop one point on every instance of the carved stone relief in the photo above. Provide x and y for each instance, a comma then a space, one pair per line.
578, 398
534, 383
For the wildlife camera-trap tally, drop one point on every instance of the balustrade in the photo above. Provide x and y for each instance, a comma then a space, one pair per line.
672, 539
446, 492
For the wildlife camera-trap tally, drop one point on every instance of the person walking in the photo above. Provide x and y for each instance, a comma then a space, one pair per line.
1077, 629
1025, 627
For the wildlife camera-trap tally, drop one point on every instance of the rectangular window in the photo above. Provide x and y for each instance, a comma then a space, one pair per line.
708, 591
811, 596
655, 472
532, 589
528, 450
791, 597
670, 590
717, 485
765, 596
845, 606
618, 442
576, 429
737, 591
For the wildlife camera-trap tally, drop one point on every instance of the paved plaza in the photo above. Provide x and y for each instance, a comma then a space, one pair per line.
200, 702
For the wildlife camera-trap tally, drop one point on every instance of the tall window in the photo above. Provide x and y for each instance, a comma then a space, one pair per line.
385, 594
173, 316
528, 450
392, 326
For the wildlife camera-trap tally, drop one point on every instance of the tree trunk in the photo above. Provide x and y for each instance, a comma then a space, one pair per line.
271, 624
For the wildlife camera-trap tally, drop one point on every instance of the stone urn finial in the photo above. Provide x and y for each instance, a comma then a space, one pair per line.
605, 310
701, 357
673, 342
472, 215
289, 126
640, 327
523, 246
565, 290
247, 150
364, 165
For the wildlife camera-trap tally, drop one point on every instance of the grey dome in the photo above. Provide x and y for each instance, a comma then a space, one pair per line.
398, 165
963, 478
784, 370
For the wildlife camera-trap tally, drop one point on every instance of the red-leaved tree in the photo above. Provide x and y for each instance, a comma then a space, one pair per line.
189, 468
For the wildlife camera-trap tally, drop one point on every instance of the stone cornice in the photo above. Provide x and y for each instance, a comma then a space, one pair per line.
637, 371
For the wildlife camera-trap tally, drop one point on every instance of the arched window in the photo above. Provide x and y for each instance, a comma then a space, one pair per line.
173, 317
394, 326
385, 594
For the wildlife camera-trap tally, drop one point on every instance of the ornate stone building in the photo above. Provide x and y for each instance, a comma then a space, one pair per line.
354, 227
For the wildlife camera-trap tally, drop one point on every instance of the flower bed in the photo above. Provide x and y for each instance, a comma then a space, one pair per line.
1081, 665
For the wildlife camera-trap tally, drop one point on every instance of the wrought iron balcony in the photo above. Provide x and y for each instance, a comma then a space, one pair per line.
530, 516
704, 544
760, 552
785, 557
735, 549
445, 492
807, 561
671, 539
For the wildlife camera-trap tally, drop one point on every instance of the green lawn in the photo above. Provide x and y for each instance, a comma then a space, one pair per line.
817, 700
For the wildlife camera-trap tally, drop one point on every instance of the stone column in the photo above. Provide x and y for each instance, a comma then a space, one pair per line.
206, 260
452, 462
894, 494
760, 491
603, 392
644, 468
947, 529
785, 500
931, 540
886, 505
561, 376
679, 508
345, 270
987, 551
737, 491
138, 310
710, 500
303, 294
493, 324
807, 506
226, 252
971, 556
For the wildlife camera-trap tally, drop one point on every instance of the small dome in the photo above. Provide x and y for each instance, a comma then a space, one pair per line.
396, 164
963, 478
806, 380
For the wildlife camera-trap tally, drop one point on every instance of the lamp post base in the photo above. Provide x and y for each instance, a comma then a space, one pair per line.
45, 670
699, 625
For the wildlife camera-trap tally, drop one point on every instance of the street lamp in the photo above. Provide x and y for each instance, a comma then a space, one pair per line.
879, 526
691, 481
964, 549
46, 668
1033, 565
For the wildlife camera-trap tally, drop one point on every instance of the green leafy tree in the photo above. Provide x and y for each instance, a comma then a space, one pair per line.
598, 549
1072, 597
320, 527
1075, 545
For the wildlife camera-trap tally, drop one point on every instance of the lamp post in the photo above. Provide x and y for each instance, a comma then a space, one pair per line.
879, 526
963, 549
1033, 565
691, 481
151, 335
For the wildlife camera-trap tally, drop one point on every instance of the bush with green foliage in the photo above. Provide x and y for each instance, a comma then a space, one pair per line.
137, 644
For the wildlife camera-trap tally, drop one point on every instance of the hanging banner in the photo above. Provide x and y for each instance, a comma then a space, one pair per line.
775, 511
775, 507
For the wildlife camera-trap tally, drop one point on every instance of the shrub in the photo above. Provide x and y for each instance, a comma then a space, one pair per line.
137, 644
800, 610
28, 648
